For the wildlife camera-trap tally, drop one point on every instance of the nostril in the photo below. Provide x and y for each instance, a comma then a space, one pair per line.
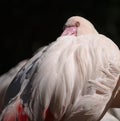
77, 24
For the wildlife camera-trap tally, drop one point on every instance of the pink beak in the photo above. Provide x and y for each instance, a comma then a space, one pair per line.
72, 30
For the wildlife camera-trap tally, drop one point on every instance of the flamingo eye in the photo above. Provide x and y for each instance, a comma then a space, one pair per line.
77, 24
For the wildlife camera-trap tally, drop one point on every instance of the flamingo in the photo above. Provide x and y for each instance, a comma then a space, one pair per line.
75, 78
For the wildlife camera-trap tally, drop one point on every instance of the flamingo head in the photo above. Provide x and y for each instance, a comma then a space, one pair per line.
78, 26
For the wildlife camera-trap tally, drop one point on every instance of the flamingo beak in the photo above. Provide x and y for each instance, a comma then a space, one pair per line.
70, 30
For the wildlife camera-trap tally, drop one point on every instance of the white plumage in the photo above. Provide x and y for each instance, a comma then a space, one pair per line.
73, 79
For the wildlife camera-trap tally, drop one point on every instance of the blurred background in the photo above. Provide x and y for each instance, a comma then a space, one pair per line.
28, 25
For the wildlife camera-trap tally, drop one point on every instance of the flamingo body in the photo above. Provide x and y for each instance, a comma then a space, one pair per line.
74, 78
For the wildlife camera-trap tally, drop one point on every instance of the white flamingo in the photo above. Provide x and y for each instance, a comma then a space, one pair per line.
75, 78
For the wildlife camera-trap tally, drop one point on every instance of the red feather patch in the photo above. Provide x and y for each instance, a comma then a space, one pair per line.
15, 113
22, 116
49, 116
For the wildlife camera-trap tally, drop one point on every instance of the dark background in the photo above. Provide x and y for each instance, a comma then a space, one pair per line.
27, 25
